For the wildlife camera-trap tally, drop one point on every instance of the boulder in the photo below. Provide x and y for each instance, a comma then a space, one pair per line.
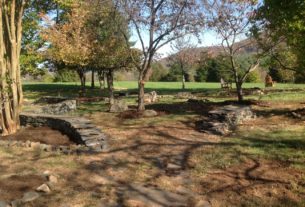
150, 97
185, 95
118, 106
60, 108
225, 119
150, 113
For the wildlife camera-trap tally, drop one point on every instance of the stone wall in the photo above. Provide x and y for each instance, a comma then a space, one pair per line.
78, 129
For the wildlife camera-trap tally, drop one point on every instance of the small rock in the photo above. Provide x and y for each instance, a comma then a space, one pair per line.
172, 166
35, 145
46, 173
16, 203
203, 203
43, 188
118, 106
3, 204
45, 147
150, 113
53, 179
28, 143
30, 196
150, 97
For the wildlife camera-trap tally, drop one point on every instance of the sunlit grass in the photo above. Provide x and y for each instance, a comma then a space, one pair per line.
285, 145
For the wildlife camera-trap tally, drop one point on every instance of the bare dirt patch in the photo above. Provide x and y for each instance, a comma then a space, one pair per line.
254, 181
43, 135
15, 186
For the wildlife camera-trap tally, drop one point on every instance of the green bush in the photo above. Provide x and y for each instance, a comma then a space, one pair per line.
47, 78
253, 77
66, 75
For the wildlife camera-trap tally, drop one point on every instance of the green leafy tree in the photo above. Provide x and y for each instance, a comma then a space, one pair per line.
282, 26
158, 72
212, 69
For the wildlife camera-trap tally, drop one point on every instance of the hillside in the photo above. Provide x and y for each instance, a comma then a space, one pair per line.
246, 46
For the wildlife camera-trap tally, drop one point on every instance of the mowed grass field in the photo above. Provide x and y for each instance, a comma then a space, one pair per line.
131, 85
281, 92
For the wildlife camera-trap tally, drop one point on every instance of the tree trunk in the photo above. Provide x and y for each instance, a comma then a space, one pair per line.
183, 75
239, 91
183, 81
101, 79
110, 86
92, 79
11, 95
82, 78
141, 92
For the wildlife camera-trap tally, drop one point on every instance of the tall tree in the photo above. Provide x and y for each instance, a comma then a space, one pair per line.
110, 51
11, 96
157, 23
282, 26
71, 42
232, 22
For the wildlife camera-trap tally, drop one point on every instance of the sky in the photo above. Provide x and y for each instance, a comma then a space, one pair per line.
208, 38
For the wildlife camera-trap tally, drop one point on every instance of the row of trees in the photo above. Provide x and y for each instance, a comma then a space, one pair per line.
208, 68
95, 35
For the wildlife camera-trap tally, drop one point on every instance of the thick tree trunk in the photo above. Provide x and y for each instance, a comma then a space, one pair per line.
92, 79
110, 86
11, 95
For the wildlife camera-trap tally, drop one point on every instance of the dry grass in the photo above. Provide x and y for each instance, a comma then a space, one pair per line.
262, 164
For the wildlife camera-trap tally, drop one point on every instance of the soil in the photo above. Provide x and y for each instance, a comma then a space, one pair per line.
44, 135
15, 186
253, 180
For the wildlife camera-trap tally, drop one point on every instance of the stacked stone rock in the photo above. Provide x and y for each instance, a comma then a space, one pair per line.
78, 129
225, 119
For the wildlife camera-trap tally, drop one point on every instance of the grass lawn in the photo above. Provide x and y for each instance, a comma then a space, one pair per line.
262, 163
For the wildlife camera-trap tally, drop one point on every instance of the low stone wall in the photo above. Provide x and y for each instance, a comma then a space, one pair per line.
78, 129
225, 119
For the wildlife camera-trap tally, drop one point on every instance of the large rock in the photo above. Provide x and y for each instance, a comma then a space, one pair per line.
150, 113
118, 106
185, 95
225, 119
60, 108
151, 97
